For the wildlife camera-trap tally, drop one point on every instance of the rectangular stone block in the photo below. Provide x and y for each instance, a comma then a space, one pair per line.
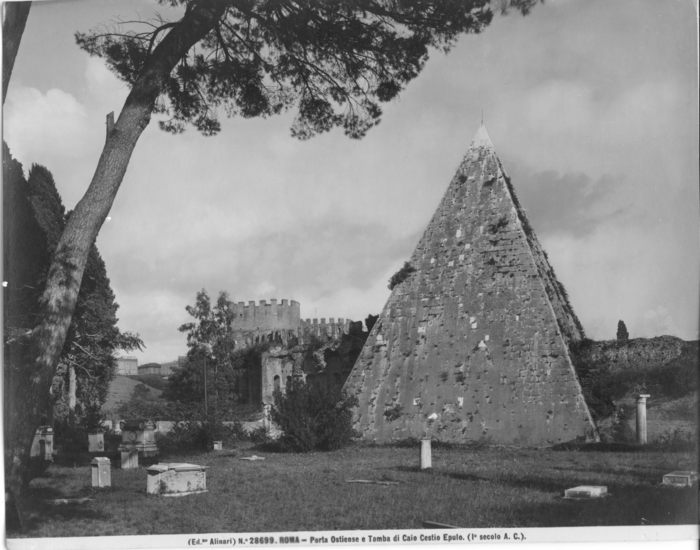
586, 491
96, 442
176, 479
42, 446
101, 472
130, 458
680, 479
218, 445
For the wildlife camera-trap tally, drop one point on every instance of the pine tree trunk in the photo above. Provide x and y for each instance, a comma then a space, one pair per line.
66, 271
13, 23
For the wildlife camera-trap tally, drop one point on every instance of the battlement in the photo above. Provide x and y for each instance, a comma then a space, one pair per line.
266, 316
273, 321
331, 321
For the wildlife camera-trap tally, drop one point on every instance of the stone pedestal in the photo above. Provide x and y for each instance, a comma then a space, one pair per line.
101, 472
42, 446
130, 457
426, 460
218, 445
96, 442
642, 418
176, 479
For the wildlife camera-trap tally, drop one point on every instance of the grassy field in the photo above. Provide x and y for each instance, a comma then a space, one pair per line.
468, 487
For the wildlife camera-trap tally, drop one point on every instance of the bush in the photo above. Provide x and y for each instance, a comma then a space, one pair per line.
198, 433
401, 275
312, 417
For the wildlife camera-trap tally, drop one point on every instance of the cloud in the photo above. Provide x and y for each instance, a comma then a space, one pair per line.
658, 321
44, 128
568, 203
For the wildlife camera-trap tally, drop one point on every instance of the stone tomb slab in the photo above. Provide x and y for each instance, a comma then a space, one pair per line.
586, 491
176, 479
680, 479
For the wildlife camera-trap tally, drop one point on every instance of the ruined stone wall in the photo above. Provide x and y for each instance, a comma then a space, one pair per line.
473, 345
324, 330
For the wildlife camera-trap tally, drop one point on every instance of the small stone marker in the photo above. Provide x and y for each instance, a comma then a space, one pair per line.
176, 479
101, 472
96, 442
680, 479
586, 491
425, 454
130, 457
218, 445
252, 457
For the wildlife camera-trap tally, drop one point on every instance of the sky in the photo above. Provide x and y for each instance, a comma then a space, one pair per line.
592, 108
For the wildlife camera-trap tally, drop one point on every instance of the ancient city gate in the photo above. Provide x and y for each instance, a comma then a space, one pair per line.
473, 345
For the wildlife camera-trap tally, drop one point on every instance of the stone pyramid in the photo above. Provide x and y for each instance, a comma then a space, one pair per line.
473, 345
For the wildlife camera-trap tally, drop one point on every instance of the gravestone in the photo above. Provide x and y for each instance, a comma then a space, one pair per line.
176, 479
101, 472
139, 435
96, 442
130, 457
586, 491
680, 479
218, 445
42, 446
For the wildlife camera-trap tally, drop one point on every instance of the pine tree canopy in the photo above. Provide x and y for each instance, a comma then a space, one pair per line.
336, 60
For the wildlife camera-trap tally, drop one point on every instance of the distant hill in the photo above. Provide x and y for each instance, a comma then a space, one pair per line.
121, 389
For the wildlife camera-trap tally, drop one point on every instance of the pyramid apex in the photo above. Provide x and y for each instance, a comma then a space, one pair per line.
481, 138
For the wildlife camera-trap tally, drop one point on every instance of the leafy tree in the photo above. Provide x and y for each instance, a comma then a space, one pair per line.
401, 275
622, 334
212, 351
333, 60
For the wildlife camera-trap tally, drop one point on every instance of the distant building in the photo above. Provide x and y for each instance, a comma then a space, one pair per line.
127, 366
166, 369
150, 368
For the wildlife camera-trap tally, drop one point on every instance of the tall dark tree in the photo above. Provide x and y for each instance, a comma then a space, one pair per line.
34, 218
622, 334
335, 61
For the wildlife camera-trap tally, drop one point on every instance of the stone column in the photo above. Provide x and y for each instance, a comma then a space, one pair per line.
642, 418
425, 454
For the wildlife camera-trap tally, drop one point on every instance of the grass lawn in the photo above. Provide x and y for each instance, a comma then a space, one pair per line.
468, 487
121, 389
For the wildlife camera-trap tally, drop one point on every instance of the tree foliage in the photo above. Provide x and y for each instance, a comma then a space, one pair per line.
401, 275
36, 217
622, 334
212, 348
336, 61
312, 417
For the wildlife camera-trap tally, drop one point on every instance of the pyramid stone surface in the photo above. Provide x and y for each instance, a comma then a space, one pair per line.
473, 345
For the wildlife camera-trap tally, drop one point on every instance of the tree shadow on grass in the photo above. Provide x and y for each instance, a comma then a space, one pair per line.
644, 501
625, 505
38, 509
